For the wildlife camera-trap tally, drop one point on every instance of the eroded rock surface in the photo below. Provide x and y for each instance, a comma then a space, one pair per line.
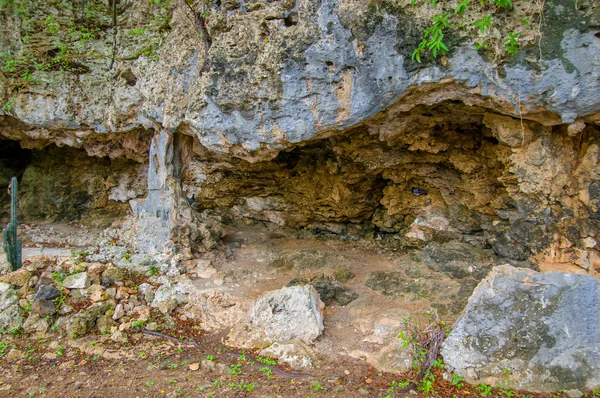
281, 316
542, 328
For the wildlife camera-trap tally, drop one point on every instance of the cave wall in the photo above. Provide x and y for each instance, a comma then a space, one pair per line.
310, 114
525, 190
65, 184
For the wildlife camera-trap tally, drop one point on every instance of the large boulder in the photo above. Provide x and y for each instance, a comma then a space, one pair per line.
537, 331
281, 316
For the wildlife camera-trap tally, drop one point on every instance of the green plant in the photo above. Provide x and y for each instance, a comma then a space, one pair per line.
511, 44
424, 343
248, 387
3, 348
216, 384
508, 393
149, 384
59, 350
484, 389
457, 381
426, 383
7, 107
395, 384
60, 300
433, 38
153, 271
138, 324
484, 23
172, 381
210, 357
235, 369
12, 244
316, 386
268, 371
266, 360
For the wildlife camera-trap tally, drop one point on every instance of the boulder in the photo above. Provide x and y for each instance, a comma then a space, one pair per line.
35, 324
8, 296
281, 316
17, 278
47, 292
112, 275
80, 280
43, 307
78, 324
536, 331
11, 318
457, 260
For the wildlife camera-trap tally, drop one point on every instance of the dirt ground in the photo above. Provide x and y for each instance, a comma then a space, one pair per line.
149, 366
154, 366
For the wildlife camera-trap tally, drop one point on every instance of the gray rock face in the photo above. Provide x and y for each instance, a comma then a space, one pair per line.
47, 292
11, 318
43, 307
80, 280
281, 316
457, 260
341, 62
543, 328
8, 296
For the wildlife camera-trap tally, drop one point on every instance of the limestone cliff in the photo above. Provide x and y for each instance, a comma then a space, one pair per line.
313, 114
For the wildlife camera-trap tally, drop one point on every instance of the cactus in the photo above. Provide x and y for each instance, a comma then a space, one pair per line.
12, 244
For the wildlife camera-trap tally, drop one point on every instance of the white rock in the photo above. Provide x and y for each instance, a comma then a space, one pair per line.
80, 280
119, 312
281, 316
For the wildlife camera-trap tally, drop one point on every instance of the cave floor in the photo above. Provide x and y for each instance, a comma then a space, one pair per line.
356, 355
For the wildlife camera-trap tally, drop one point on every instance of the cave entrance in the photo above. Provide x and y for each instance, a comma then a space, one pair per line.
64, 184
13, 162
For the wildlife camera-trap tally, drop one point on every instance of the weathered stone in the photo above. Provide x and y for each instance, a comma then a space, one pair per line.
281, 316
296, 353
105, 323
541, 327
47, 292
97, 293
457, 260
78, 324
327, 288
11, 318
8, 296
343, 275
43, 307
305, 260
167, 306
119, 312
17, 278
80, 280
112, 275
35, 324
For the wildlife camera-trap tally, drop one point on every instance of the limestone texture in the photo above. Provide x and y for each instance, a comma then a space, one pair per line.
542, 328
281, 316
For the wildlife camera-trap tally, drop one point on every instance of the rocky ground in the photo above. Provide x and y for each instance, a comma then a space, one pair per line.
73, 319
